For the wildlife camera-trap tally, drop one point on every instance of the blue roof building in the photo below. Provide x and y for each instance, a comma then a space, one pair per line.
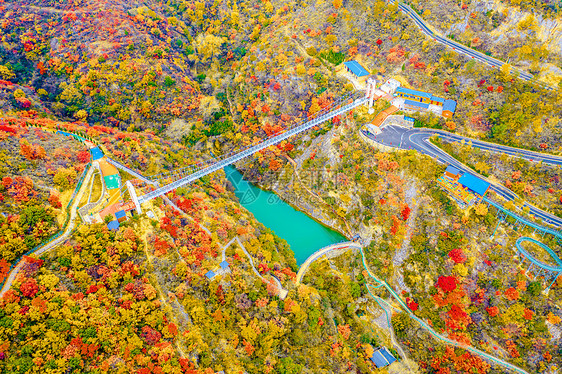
96, 153
121, 216
452, 171
210, 274
382, 358
479, 186
450, 105
224, 265
355, 68
113, 225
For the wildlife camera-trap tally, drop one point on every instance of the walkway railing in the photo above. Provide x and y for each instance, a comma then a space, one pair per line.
227, 159
54, 236
533, 260
551, 271
130, 171
322, 252
430, 329
181, 172
523, 220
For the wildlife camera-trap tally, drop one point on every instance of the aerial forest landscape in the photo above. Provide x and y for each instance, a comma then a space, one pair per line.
248, 187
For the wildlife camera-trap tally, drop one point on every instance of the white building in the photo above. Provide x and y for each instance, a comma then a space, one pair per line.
390, 86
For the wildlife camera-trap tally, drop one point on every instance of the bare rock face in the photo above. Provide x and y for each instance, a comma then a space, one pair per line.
55, 43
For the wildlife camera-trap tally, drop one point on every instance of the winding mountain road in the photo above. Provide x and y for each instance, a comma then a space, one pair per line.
462, 49
418, 139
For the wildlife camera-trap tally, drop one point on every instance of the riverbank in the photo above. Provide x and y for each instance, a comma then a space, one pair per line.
303, 233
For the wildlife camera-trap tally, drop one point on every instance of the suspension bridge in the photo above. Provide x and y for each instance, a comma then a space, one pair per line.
183, 176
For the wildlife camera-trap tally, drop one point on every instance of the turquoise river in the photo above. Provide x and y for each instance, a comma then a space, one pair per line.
304, 235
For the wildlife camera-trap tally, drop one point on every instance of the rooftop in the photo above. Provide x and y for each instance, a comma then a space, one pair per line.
224, 264
382, 358
356, 68
450, 105
409, 91
476, 184
120, 214
453, 170
416, 103
210, 274
113, 225
96, 153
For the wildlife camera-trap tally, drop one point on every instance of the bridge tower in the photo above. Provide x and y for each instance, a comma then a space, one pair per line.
134, 197
371, 87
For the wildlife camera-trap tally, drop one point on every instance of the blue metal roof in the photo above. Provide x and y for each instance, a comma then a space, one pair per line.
96, 153
450, 105
120, 214
438, 99
210, 274
389, 357
476, 184
416, 103
409, 91
453, 170
113, 225
224, 264
356, 68
382, 358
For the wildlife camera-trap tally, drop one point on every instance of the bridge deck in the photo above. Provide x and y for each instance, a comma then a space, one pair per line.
334, 110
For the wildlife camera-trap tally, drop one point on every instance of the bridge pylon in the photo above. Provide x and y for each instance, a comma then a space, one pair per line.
134, 197
371, 87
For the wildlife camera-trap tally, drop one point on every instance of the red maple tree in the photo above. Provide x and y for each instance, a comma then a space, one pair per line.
29, 288
457, 256
447, 284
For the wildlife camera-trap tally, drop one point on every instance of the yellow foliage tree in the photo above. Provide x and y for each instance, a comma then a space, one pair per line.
481, 209
330, 39
81, 115
209, 45
6, 73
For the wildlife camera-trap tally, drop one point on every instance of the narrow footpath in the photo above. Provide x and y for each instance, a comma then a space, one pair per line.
61, 239
404, 309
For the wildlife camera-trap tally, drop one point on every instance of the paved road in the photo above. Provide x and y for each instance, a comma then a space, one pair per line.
462, 49
418, 139
57, 241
